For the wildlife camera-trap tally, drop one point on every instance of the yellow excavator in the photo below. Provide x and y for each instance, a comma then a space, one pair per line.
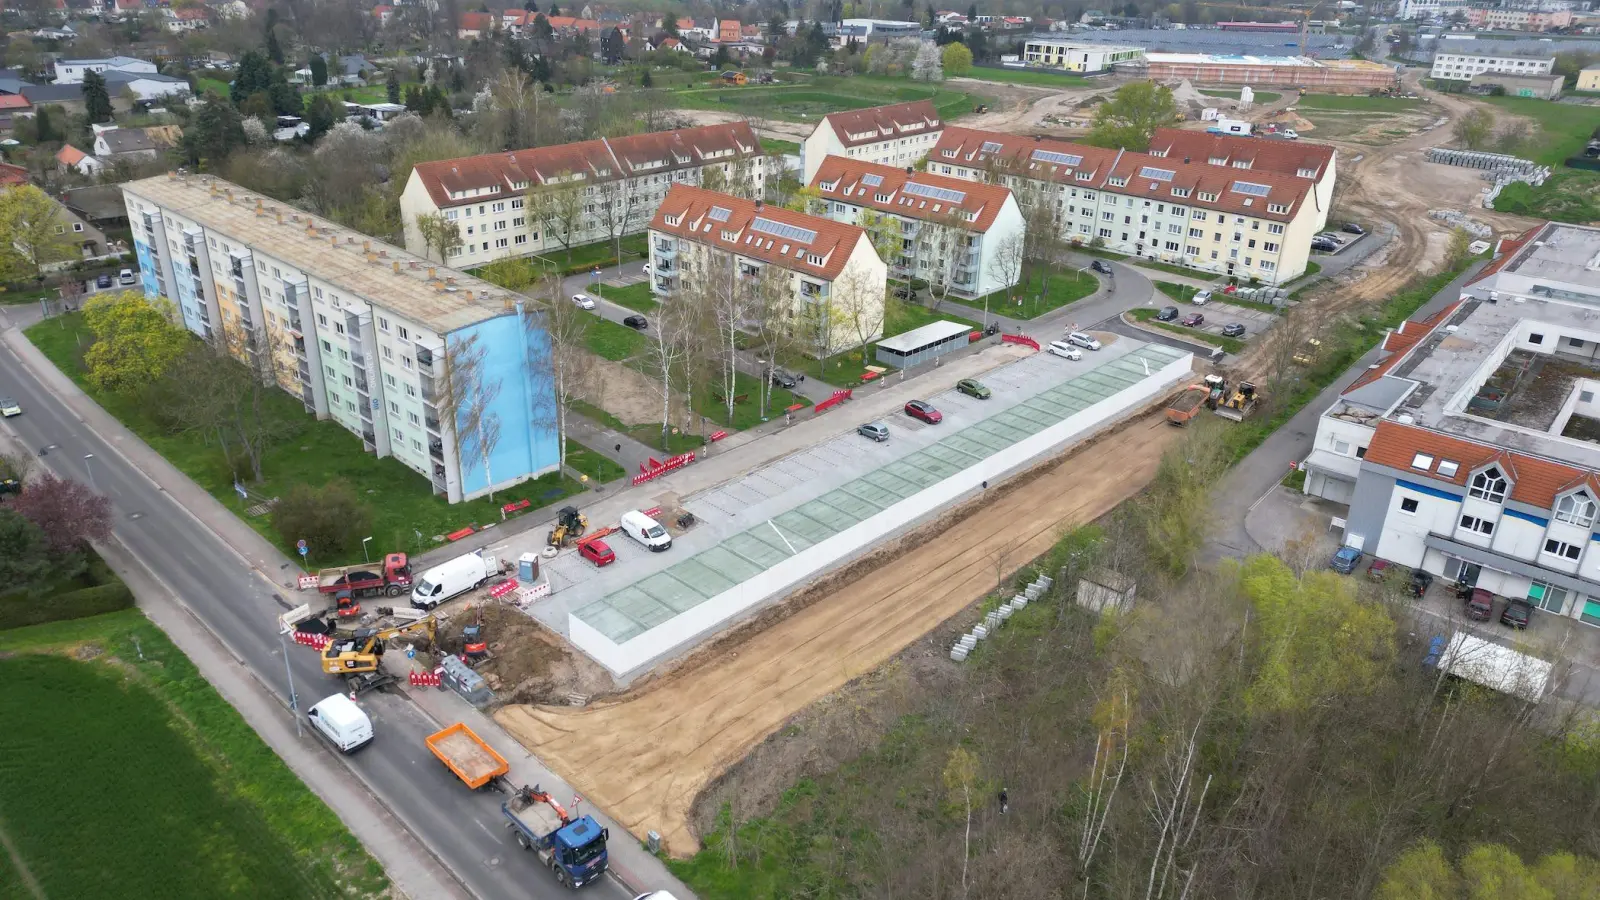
356, 655
570, 524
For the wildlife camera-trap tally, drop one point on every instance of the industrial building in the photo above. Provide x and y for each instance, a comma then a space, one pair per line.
361, 332
1472, 450
1076, 56
1333, 76
1538, 87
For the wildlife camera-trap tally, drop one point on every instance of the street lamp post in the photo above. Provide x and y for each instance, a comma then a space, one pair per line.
364, 549
294, 698
88, 465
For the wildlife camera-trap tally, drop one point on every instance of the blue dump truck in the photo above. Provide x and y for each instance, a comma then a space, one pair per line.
574, 849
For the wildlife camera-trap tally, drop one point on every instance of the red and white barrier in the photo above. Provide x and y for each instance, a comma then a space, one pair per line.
306, 582
838, 397
656, 468
1022, 339
319, 641
503, 588
426, 679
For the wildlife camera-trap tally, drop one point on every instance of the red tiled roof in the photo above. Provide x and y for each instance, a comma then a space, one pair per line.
14, 101
189, 15
70, 155
560, 22
1397, 342
1283, 157
882, 123
1508, 251
12, 175
848, 178
1019, 156
688, 207
598, 160
476, 21
1534, 480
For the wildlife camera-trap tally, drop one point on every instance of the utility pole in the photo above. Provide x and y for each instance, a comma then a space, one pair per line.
294, 699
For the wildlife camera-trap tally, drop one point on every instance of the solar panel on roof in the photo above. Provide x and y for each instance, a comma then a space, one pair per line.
1251, 188
934, 193
992, 147
767, 226
719, 213
1157, 174
872, 180
1060, 159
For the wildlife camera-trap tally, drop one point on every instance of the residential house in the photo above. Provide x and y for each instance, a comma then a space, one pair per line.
727, 31
124, 145
828, 271
189, 19
383, 13
13, 106
475, 25
1315, 162
71, 71
898, 135
89, 240
960, 236
1462, 66
70, 157
358, 331
1589, 79
99, 205
593, 189
672, 44
11, 176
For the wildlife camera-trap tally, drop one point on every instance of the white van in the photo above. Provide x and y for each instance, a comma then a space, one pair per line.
448, 579
646, 530
341, 721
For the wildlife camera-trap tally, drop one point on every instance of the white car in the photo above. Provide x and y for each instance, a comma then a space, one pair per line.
1083, 340
125, 278
584, 301
1290, 133
647, 270
1065, 350
9, 407
1200, 298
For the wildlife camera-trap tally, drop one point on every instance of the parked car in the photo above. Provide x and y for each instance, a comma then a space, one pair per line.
1083, 340
1167, 314
1517, 613
1290, 133
1193, 320
597, 552
1065, 350
125, 278
103, 282
1100, 266
1233, 329
1420, 582
1200, 298
638, 323
9, 407
647, 270
584, 301
1378, 570
785, 379
1345, 560
923, 410
1324, 246
1480, 605
875, 430
973, 388
1353, 228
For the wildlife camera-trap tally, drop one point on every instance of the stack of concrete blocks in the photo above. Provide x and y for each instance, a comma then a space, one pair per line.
996, 617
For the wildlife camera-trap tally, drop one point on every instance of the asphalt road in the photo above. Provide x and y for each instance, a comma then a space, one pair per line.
463, 829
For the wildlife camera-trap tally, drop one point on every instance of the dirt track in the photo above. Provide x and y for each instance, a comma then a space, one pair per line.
646, 757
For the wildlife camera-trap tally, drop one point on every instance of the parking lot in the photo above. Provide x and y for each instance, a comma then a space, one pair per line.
1219, 314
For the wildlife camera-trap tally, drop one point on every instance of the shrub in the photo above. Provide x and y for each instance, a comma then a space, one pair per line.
331, 519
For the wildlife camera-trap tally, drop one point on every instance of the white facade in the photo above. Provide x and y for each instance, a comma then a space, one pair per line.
1462, 66
897, 136
1076, 56
71, 71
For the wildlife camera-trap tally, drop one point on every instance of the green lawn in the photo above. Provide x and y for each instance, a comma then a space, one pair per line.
636, 297
773, 145
17, 298
1356, 102
592, 463
1037, 77
900, 317
1261, 96
599, 253
709, 402
615, 341
1147, 317
201, 85
312, 452
1175, 269
1178, 292
819, 96
1565, 129
1569, 195
1061, 288
123, 773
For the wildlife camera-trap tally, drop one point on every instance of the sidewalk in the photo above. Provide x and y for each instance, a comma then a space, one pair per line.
630, 860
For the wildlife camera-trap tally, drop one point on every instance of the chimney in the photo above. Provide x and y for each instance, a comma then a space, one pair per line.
413, 265
372, 258
349, 239
469, 296
383, 254
280, 218
397, 267
430, 273
450, 280
172, 175
366, 246
333, 241
758, 206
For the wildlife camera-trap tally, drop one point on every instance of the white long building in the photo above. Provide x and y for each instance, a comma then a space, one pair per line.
357, 330
595, 189
1462, 66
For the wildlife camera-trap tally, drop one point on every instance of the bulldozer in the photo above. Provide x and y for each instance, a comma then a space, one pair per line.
1308, 353
1239, 403
356, 655
570, 524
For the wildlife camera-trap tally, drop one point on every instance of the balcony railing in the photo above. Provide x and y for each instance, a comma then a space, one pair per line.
432, 423
436, 450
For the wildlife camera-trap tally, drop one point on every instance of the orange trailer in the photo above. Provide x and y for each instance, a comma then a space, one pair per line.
467, 755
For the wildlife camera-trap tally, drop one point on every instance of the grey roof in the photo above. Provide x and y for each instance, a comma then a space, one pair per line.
97, 203
107, 60
10, 84
125, 77
52, 93
127, 140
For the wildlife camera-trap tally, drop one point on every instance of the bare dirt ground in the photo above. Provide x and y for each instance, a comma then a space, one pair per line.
775, 128
647, 755
527, 662
627, 393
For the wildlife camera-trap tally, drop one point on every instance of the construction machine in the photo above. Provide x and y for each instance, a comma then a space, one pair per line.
1308, 353
356, 655
570, 524
1239, 402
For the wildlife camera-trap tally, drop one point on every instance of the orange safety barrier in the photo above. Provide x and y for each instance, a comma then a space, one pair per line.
838, 397
319, 641
657, 468
1022, 339
718, 435
974, 336
458, 535
518, 506
868, 376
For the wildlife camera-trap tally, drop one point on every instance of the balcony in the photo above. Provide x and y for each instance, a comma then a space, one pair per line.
425, 361
666, 248
432, 423
361, 385
358, 360
430, 393
369, 437
436, 450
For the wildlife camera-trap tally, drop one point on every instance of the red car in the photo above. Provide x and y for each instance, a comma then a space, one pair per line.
1193, 319
597, 552
921, 409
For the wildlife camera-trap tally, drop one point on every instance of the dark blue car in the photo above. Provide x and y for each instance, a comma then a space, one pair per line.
1345, 561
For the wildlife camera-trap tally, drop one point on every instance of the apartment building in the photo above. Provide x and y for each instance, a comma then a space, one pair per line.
898, 135
703, 239
1498, 19
358, 330
1462, 66
1316, 163
1076, 56
593, 189
961, 236
1470, 450
1231, 220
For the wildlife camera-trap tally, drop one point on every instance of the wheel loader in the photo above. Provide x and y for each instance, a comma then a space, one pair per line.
570, 524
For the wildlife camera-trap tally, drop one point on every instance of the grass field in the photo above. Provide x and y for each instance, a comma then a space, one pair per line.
599, 253
820, 96
774, 145
1175, 269
636, 297
649, 435
1035, 77
1178, 292
615, 341
124, 774
592, 463
1029, 303
311, 452
1356, 102
1569, 195
845, 368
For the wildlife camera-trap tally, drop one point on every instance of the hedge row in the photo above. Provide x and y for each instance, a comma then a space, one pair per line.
21, 609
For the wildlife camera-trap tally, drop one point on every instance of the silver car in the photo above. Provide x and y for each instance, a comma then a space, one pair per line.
875, 430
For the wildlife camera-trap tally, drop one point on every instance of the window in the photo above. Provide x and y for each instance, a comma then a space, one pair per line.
1447, 468
415, 420
1480, 526
1563, 550
383, 324
1548, 597
1489, 485
1576, 509
1409, 505
1341, 447
1535, 338
1422, 461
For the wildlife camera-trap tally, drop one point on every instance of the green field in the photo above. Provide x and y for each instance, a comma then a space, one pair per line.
124, 774
592, 463
1028, 302
636, 297
647, 434
820, 96
1569, 195
774, 145
1356, 102
311, 452
1036, 77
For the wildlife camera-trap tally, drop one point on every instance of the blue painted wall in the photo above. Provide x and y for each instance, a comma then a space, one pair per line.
517, 359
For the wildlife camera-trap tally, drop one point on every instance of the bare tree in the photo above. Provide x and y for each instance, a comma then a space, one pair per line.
622, 207
670, 353
559, 210
566, 328
776, 329
1006, 266
858, 301
438, 233
466, 400
941, 250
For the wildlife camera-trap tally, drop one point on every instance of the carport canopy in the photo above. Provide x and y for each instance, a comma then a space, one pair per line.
922, 338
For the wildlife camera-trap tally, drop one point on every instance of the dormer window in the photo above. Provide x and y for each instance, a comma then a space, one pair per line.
1576, 509
1489, 485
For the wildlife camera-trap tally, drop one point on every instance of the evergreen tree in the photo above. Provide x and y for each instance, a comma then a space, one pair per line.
319, 70
285, 99
972, 14
214, 132
44, 124
392, 86
555, 10
645, 80
96, 99
255, 76
322, 113
274, 52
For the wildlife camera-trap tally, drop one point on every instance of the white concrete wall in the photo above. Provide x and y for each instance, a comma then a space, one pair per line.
633, 654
